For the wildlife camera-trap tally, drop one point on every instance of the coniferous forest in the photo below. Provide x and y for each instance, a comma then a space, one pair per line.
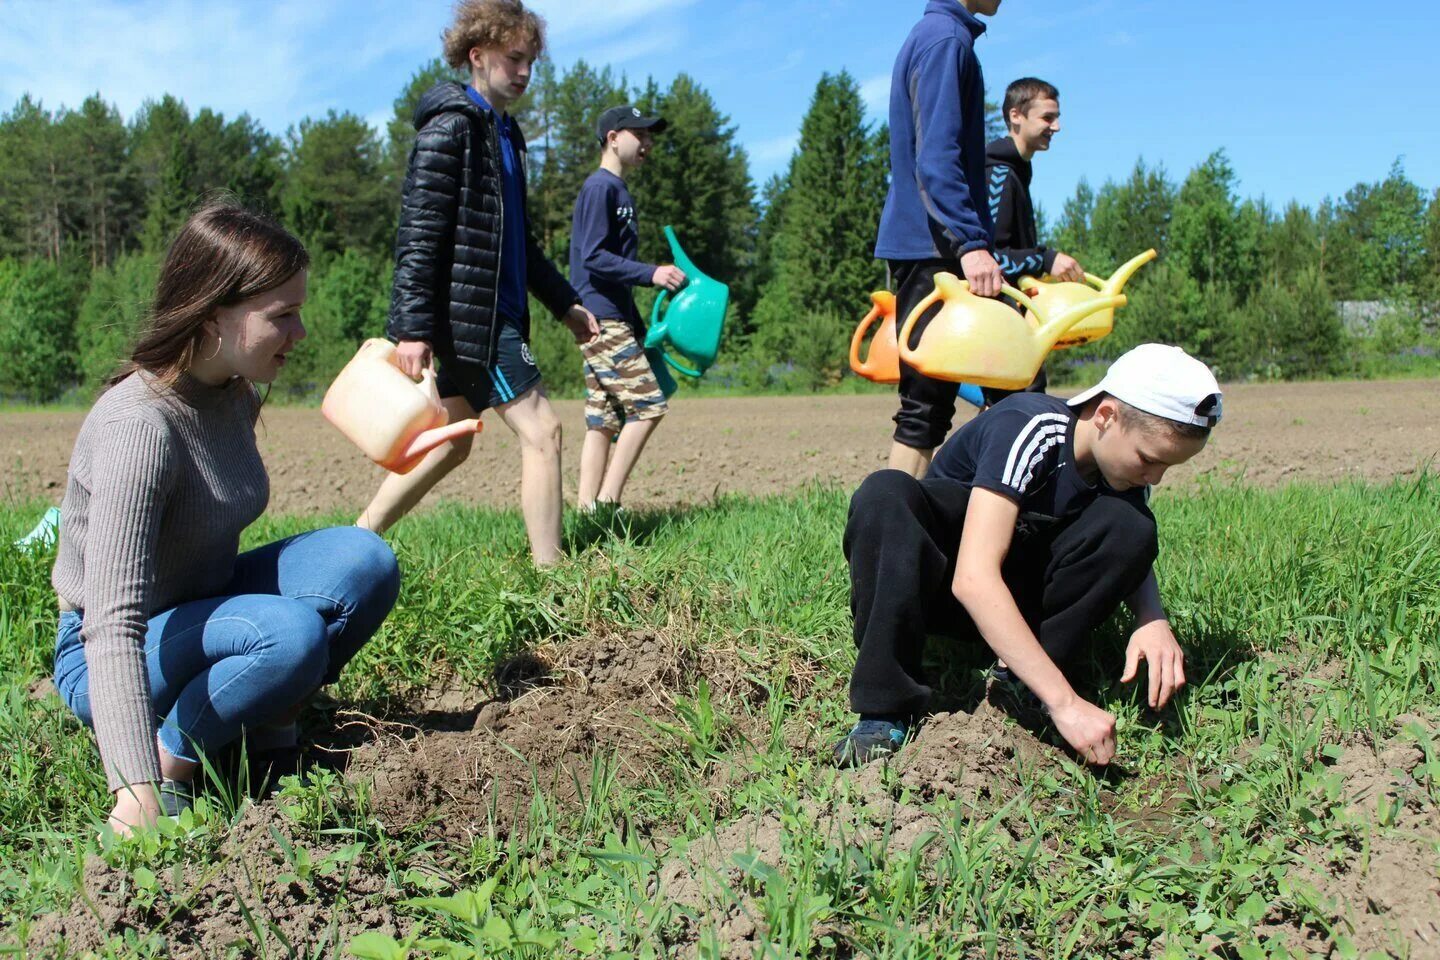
89, 199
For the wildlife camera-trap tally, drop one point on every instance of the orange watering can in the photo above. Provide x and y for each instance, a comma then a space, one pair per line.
1059, 295
882, 363
691, 326
982, 341
391, 418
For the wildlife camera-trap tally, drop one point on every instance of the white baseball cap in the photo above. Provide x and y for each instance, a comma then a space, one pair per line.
1162, 380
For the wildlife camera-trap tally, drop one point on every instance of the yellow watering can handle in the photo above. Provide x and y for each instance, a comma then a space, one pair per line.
1097, 282
905, 352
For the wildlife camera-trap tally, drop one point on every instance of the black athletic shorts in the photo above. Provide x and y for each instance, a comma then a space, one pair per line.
510, 373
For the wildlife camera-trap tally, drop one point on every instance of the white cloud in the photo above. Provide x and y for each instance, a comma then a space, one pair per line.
277, 61
572, 20
773, 152
875, 94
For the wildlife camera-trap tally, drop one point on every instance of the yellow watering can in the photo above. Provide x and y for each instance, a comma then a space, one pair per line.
982, 341
690, 327
882, 363
391, 418
1059, 295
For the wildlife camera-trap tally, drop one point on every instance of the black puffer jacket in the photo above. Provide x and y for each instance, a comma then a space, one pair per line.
447, 251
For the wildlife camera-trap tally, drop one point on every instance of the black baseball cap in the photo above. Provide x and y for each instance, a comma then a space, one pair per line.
626, 117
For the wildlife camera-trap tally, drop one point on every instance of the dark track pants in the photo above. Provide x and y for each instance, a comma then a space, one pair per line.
902, 540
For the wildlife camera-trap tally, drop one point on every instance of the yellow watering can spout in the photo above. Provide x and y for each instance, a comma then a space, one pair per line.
1122, 276
1060, 294
1053, 329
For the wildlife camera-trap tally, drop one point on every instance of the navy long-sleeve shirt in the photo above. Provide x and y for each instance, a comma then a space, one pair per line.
936, 206
604, 250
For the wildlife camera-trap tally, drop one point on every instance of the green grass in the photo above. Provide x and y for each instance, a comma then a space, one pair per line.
1310, 618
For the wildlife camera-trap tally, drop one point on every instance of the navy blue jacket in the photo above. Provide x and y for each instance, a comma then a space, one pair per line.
604, 250
936, 205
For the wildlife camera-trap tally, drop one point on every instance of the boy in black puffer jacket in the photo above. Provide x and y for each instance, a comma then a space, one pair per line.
464, 260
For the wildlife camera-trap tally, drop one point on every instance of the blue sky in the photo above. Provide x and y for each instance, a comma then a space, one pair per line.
1308, 96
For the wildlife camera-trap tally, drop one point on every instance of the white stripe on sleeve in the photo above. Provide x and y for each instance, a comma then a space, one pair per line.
1040, 426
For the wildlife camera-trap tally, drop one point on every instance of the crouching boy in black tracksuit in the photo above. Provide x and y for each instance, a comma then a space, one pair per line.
1031, 528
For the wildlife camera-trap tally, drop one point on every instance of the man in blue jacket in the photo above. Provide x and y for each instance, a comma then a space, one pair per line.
936, 218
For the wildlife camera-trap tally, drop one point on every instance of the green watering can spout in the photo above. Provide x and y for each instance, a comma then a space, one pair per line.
685, 327
682, 259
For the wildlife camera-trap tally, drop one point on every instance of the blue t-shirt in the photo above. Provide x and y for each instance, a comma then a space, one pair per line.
605, 250
511, 288
1023, 448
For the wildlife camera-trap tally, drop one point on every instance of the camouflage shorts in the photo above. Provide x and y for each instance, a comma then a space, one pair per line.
621, 386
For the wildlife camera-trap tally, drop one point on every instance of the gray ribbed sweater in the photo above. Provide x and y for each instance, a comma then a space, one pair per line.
162, 482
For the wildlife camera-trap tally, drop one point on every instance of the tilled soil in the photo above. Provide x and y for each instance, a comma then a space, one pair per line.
1272, 433
462, 764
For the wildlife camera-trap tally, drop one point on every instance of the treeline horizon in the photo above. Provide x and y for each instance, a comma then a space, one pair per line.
89, 202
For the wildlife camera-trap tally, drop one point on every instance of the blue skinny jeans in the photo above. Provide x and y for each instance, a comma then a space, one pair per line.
294, 614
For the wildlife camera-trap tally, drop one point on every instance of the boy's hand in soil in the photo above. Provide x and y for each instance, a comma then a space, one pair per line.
1087, 728
1155, 643
582, 324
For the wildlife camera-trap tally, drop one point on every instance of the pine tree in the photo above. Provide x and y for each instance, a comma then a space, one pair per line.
697, 180
823, 265
101, 192
1206, 235
568, 148
335, 196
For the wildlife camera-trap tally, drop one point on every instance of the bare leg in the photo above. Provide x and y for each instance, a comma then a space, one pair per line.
173, 768
912, 461
594, 454
399, 494
627, 454
537, 428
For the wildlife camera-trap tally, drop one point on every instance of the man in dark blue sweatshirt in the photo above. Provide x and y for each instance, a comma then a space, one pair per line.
622, 390
935, 218
1032, 116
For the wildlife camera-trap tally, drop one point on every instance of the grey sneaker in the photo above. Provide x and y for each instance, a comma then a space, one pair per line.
870, 738
176, 796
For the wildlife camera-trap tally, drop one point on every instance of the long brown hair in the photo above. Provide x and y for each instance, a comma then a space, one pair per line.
222, 255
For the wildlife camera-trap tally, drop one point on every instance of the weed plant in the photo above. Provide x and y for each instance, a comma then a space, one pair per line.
1309, 616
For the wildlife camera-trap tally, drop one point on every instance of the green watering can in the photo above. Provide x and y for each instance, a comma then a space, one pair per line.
687, 332
667, 383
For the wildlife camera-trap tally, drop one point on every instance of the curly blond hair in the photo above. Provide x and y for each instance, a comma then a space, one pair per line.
490, 23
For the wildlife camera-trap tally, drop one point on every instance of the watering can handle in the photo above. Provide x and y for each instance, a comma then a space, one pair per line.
875, 314
656, 310
427, 383
905, 352
680, 367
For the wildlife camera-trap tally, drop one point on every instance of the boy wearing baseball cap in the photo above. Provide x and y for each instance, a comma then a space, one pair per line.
1030, 529
622, 390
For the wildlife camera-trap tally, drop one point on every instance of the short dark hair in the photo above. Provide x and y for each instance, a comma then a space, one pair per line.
1133, 418
1023, 92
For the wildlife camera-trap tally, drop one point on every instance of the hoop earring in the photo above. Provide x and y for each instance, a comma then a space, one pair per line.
218, 340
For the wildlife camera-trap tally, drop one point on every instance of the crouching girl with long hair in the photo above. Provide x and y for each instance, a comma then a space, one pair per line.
171, 642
